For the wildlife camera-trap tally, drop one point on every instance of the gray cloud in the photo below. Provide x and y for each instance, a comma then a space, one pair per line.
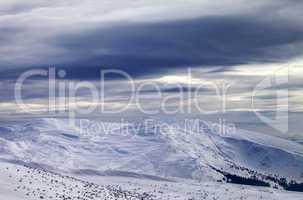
268, 32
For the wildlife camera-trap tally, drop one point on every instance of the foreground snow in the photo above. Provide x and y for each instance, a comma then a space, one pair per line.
22, 183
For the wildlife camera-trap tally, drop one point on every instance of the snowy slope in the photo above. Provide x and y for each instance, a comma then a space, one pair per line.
19, 182
57, 147
22, 183
262, 153
150, 155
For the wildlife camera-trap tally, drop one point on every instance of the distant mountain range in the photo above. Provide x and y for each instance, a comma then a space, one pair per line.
169, 154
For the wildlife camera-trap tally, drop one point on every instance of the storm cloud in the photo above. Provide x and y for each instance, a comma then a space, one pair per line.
30, 36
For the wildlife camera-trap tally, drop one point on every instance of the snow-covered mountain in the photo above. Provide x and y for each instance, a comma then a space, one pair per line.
24, 183
170, 154
157, 161
20, 183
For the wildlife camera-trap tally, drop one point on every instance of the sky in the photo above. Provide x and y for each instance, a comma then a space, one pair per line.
254, 48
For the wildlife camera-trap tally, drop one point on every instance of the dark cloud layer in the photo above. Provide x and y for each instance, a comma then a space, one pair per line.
151, 48
212, 41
